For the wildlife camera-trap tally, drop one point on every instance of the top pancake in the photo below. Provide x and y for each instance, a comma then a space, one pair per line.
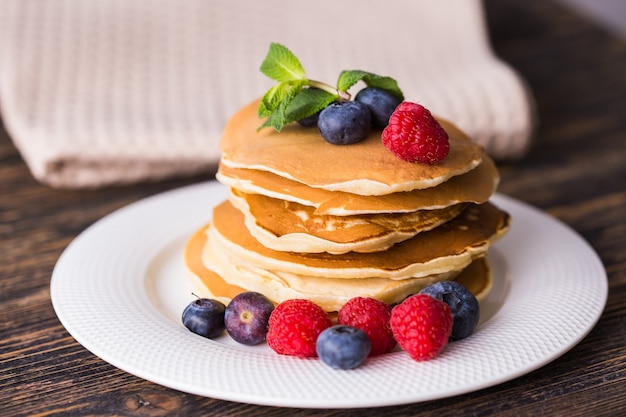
365, 168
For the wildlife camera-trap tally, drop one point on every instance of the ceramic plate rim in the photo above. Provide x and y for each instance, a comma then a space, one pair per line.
77, 288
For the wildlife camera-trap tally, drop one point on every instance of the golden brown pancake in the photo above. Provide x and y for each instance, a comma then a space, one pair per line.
475, 186
287, 226
449, 247
308, 219
476, 277
203, 278
365, 168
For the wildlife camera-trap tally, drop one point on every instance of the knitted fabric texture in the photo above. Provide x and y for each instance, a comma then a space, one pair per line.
102, 92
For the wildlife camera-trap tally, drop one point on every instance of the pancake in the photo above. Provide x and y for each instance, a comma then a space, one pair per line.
206, 283
287, 226
309, 219
449, 247
475, 186
365, 168
330, 294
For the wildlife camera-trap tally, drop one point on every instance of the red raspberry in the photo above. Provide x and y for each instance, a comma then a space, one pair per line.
294, 326
372, 316
422, 325
414, 135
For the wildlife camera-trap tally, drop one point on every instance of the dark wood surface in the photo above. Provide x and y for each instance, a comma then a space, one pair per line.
575, 171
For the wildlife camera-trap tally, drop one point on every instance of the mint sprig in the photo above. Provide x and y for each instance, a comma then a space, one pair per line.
296, 96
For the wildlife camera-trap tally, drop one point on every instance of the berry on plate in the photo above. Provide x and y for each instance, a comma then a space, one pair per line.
343, 347
422, 325
372, 316
464, 306
205, 317
294, 327
246, 317
414, 135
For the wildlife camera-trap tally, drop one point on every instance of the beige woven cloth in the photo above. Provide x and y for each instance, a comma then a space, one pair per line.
104, 92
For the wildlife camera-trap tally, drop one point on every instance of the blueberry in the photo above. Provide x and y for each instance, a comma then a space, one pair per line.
247, 317
380, 102
205, 317
343, 123
343, 347
464, 306
310, 121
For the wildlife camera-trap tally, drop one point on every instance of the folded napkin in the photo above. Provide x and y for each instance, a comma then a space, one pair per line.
106, 92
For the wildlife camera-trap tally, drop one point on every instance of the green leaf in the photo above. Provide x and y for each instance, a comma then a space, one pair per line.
282, 65
349, 78
272, 99
307, 103
270, 121
278, 118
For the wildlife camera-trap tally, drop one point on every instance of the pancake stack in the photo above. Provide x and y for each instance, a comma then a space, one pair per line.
308, 219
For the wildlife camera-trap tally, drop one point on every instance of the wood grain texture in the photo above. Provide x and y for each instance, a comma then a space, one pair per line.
576, 171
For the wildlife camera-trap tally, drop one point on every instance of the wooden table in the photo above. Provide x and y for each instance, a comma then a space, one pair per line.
575, 171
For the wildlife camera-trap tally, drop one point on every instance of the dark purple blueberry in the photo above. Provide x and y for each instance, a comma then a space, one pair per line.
464, 306
343, 347
205, 317
380, 102
310, 121
343, 123
247, 317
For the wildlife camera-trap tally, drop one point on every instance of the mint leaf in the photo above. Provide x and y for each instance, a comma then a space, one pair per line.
282, 65
272, 99
277, 119
349, 78
307, 103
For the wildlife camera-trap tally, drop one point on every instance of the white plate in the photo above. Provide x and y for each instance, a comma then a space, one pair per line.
119, 289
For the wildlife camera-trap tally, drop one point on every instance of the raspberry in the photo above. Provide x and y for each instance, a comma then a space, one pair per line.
422, 326
414, 135
294, 326
371, 316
